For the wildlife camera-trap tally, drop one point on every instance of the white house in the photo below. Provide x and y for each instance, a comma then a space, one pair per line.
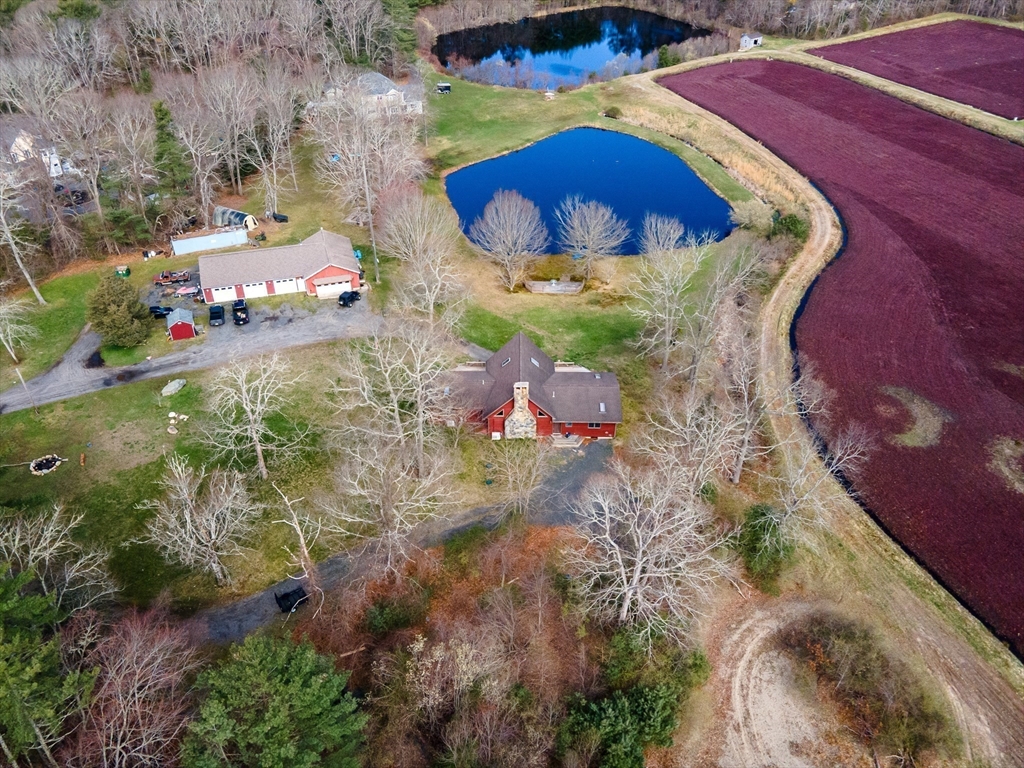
382, 93
21, 145
749, 40
323, 265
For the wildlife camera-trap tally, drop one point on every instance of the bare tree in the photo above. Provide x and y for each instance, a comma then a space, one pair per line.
15, 329
589, 230
196, 129
33, 84
649, 554
82, 129
512, 234
12, 188
134, 135
393, 385
520, 466
306, 532
244, 396
230, 96
384, 493
45, 544
202, 517
424, 233
267, 139
364, 153
663, 283
363, 29
140, 704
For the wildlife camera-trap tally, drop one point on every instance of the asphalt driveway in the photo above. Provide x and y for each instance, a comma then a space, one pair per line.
268, 331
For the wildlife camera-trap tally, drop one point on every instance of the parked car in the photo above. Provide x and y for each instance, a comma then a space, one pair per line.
216, 315
160, 311
188, 290
168, 278
348, 298
240, 312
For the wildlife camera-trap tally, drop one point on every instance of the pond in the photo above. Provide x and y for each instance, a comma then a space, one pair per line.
630, 175
561, 49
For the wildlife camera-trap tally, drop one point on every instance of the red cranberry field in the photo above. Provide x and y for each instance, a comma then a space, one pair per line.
967, 61
918, 326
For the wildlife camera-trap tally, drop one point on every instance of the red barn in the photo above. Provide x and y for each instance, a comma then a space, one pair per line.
323, 265
180, 325
521, 392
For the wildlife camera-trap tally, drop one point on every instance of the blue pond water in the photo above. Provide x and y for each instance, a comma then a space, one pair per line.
632, 176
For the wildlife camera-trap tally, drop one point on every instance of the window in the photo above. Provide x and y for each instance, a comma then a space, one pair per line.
447, 390
597, 375
593, 425
602, 407
532, 360
541, 414
568, 423
500, 413
506, 361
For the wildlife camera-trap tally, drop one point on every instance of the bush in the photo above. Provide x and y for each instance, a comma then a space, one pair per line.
462, 547
388, 614
753, 215
613, 112
763, 547
668, 57
792, 225
888, 706
117, 314
623, 723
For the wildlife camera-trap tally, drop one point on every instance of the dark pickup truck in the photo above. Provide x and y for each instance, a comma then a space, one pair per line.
169, 278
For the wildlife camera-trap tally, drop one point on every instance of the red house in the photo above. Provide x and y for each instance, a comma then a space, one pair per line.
323, 265
521, 392
180, 325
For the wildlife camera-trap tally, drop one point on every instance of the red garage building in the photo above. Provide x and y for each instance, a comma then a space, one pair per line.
180, 325
323, 265
521, 392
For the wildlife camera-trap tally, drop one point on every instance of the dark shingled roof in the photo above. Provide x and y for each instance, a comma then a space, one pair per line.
567, 396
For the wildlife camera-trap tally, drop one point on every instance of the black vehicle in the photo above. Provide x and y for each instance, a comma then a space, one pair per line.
348, 298
160, 311
240, 312
289, 601
216, 315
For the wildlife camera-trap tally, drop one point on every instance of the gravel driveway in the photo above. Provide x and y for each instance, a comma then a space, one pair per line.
555, 498
269, 330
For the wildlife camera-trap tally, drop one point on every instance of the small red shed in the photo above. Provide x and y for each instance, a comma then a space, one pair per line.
180, 325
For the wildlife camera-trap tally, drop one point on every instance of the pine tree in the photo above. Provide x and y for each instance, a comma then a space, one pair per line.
274, 704
117, 314
172, 168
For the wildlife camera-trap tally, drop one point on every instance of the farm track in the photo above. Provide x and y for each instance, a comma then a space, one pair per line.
983, 681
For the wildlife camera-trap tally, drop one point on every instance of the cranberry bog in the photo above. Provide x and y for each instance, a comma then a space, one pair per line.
918, 327
978, 64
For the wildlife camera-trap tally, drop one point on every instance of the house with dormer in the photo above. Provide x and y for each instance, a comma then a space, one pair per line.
520, 392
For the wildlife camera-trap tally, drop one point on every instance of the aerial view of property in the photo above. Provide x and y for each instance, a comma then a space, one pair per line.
478, 383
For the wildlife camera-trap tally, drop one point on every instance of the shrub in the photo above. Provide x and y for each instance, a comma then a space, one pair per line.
668, 57
888, 706
613, 112
461, 548
753, 215
763, 546
388, 614
623, 723
792, 225
117, 314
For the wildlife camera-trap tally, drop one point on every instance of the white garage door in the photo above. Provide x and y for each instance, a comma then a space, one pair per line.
331, 290
286, 286
255, 290
224, 294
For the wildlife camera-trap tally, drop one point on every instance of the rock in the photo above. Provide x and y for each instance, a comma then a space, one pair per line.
182, 417
172, 415
173, 387
172, 430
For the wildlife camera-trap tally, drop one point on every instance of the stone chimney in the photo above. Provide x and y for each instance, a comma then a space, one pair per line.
521, 423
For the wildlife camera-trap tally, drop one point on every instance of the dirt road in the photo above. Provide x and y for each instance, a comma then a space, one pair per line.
269, 330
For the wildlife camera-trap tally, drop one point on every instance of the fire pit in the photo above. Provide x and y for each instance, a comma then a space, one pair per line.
45, 464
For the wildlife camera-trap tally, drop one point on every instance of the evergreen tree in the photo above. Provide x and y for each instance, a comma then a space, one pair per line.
117, 314
36, 694
172, 170
274, 704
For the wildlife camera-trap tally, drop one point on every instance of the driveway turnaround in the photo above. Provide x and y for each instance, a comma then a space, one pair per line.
269, 330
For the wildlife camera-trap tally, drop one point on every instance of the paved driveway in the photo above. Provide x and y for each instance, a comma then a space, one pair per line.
268, 331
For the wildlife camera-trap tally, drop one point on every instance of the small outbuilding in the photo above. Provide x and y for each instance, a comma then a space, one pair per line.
180, 325
229, 217
750, 40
